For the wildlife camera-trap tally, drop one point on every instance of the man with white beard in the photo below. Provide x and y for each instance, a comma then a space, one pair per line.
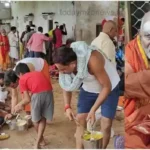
137, 88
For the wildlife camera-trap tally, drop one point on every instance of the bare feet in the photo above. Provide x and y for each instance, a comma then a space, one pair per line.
42, 143
36, 147
49, 122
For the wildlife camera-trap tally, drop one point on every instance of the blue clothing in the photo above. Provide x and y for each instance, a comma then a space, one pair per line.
108, 109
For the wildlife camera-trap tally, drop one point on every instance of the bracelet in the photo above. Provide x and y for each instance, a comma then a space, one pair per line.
67, 107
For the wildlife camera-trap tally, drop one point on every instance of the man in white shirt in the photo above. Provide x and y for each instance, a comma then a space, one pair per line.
13, 41
104, 41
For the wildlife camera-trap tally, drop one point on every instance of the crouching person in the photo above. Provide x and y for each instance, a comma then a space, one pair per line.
42, 105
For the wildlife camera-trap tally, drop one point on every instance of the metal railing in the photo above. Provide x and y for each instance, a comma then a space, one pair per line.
137, 10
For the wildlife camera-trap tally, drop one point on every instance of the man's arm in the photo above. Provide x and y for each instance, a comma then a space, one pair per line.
96, 66
67, 97
65, 30
67, 101
22, 103
14, 100
26, 98
64, 33
45, 38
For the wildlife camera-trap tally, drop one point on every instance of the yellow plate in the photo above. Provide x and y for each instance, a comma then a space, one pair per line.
4, 136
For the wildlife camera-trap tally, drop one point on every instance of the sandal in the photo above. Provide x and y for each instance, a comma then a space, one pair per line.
4, 136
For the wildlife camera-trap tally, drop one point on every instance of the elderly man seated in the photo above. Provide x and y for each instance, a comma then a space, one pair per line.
137, 88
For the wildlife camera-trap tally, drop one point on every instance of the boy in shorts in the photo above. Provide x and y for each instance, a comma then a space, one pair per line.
42, 105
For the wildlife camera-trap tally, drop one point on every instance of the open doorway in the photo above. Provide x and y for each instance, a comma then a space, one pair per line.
50, 25
98, 29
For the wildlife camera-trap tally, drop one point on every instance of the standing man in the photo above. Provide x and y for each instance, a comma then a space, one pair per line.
57, 37
48, 47
36, 43
64, 33
78, 66
22, 43
27, 38
13, 41
23, 33
104, 41
25, 51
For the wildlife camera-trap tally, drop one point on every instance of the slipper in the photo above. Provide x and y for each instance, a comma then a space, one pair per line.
4, 136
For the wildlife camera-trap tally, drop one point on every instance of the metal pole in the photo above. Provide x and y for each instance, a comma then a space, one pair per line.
118, 23
127, 22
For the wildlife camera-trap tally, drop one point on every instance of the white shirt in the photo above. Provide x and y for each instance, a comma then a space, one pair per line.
38, 63
105, 44
91, 84
13, 40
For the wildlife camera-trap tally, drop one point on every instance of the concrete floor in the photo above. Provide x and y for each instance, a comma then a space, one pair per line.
59, 135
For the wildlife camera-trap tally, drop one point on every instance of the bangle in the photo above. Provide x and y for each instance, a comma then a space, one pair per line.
67, 107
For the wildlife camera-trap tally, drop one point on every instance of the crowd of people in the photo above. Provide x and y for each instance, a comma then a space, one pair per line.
90, 69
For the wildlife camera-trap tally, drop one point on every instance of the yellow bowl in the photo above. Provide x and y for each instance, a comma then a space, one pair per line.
95, 136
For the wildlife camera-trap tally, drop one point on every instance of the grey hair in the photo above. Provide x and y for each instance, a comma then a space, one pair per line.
145, 18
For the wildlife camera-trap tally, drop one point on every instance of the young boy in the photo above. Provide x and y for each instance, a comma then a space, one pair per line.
42, 105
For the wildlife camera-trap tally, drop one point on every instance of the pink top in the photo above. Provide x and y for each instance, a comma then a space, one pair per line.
36, 42
58, 34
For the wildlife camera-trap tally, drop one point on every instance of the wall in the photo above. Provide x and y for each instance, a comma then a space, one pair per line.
5, 13
91, 13
22, 8
80, 18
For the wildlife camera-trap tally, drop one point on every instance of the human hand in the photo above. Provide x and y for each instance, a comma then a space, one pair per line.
91, 117
70, 114
18, 108
8, 116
